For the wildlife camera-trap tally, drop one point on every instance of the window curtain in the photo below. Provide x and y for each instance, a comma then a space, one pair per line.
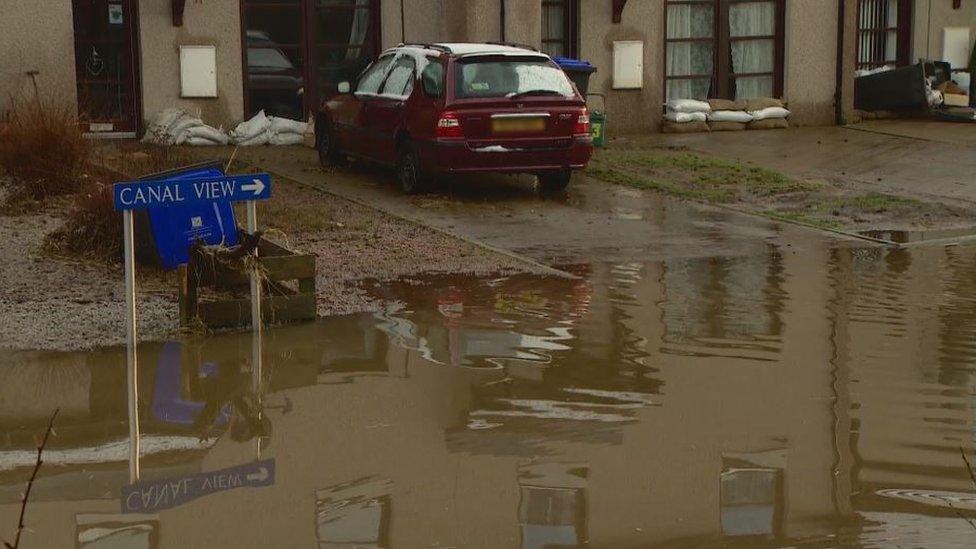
751, 55
553, 19
690, 57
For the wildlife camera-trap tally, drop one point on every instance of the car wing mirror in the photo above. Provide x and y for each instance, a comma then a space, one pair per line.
344, 87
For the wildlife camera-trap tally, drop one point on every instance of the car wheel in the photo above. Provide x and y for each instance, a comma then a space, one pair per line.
555, 181
329, 155
408, 170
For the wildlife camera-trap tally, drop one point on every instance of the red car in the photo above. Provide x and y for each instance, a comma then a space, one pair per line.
437, 109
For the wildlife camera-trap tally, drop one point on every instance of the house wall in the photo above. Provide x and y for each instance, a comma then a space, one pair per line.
627, 110
811, 61
160, 45
45, 44
931, 16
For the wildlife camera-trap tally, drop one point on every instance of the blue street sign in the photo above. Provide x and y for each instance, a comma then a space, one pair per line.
156, 495
145, 195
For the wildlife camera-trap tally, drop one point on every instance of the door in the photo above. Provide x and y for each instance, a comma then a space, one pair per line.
385, 112
106, 65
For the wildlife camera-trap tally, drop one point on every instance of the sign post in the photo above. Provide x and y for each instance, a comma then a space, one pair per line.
128, 243
151, 194
256, 366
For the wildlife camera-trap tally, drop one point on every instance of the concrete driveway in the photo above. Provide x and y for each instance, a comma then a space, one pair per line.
594, 221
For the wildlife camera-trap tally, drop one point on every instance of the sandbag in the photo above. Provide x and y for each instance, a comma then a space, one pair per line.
685, 117
688, 127
761, 103
259, 139
209, 133
198, 141
286, 139
250, 129
726, 105
770, 112
769, 124
183, 124
688, 105
729, 116
286, 125
720, 126
158, 132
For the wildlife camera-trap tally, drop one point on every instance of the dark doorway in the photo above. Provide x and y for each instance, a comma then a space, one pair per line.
106, 65
297, 51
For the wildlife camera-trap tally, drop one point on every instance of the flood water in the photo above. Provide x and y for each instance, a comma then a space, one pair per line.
790, 396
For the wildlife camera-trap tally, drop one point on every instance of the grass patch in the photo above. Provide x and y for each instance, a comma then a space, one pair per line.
42, 150
692, 176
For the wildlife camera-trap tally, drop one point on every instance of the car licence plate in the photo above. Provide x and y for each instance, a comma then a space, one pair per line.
521, 124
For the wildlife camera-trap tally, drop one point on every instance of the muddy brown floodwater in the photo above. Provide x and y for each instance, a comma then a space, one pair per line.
807, 395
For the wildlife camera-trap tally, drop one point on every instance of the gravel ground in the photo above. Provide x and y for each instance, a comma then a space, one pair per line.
60, 304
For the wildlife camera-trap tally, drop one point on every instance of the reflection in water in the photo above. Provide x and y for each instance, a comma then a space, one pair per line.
793, 396
354, 514
107, 531
552, 505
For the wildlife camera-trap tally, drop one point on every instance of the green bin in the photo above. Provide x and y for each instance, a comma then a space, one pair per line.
598, 121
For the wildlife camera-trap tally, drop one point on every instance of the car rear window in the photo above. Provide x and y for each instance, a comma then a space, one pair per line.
501, 77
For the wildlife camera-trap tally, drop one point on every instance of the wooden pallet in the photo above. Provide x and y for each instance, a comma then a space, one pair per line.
288, 291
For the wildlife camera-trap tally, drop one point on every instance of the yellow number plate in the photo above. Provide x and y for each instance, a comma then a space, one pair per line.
511, 125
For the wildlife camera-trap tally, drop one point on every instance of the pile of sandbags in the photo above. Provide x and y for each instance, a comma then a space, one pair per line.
178, 127
689, 115
686, 116
269, 130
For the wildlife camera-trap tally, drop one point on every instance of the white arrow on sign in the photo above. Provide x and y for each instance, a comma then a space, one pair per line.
260, 476
257, 187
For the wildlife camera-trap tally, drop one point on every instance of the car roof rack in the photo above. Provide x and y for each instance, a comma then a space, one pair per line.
513, 45
439, 47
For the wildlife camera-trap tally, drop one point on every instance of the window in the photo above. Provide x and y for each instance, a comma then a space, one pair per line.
730, 49
560, 28
510, 76
373, 77
297, 51
884, 32
433, 78
400, 81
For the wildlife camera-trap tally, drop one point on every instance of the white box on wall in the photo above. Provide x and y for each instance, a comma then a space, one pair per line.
956, 47
628, 65
198, 71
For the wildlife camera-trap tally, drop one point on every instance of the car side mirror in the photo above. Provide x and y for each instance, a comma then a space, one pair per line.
344, 87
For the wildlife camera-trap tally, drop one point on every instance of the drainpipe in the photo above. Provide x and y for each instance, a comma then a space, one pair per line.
403, 25
839, 93
501, 16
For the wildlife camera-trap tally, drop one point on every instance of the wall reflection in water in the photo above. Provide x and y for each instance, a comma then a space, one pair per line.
796, 395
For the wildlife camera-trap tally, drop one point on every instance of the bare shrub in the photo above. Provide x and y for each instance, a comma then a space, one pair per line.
93, 228
42, 149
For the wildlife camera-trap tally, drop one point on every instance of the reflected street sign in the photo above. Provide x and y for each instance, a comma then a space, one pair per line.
155, 495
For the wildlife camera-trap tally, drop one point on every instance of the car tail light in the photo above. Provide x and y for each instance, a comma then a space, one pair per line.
582, 126
449, 125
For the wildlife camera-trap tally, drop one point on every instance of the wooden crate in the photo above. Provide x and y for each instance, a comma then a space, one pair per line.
288, 291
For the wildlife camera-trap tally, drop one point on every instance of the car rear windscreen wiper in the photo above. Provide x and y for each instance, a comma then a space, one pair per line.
533, 92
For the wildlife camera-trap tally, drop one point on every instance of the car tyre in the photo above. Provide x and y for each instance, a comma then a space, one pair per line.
554, 182
408, 173
329, 155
